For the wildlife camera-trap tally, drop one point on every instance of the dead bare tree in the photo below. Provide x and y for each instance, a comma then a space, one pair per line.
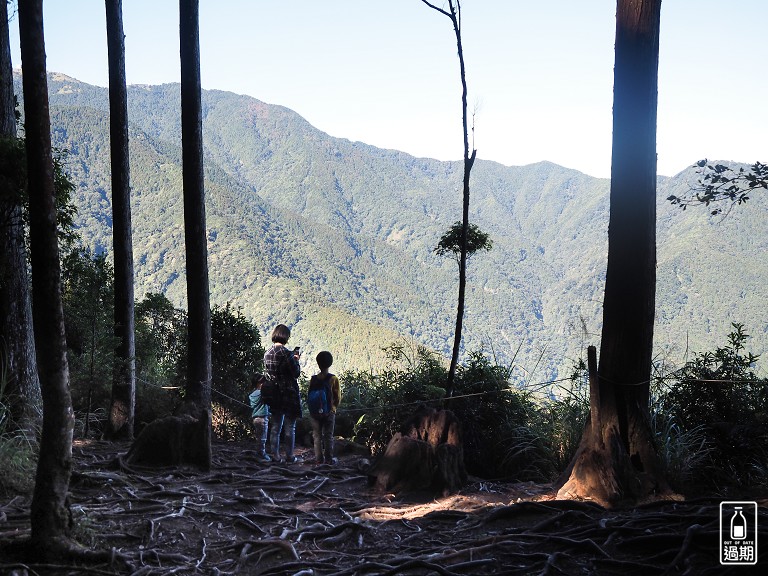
454, 13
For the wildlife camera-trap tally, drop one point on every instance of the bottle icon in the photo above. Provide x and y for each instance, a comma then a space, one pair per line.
738, 525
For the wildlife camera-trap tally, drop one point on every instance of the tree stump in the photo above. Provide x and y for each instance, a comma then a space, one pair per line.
427, 455
173, 441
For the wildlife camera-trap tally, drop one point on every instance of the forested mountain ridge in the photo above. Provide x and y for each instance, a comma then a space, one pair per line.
335, 237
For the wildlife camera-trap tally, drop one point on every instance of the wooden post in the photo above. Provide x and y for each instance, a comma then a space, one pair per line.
594, 388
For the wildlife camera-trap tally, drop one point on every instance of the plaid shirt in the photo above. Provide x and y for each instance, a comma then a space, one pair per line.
283, 367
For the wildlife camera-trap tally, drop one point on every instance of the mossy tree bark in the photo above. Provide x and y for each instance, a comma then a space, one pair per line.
18, 368
617, 461
50, 517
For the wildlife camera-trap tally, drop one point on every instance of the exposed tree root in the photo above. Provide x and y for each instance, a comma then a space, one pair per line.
244, 517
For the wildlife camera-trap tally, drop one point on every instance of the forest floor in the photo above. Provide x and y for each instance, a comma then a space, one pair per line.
245, 517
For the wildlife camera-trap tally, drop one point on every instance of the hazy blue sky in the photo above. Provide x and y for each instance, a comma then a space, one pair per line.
540, 74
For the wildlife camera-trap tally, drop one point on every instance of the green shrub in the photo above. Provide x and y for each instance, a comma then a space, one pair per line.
88, 300
502, 438
715, 409
498, 420
236, 354
380, 403
228, 424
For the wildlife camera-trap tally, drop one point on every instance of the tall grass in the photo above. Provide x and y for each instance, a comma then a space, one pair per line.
562, 418
18, 457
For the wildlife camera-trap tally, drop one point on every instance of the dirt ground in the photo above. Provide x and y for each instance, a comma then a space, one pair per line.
244, 517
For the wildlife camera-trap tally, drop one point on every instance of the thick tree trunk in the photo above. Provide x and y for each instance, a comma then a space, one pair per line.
617, 460
195, 237
18, 367
121, 413
50, 518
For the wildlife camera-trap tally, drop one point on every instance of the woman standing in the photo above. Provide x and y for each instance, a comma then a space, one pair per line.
282, 366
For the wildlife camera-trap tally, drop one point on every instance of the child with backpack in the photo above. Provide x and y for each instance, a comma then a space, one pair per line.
323, 399
259, 416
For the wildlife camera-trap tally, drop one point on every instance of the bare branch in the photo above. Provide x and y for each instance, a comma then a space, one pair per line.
438, 9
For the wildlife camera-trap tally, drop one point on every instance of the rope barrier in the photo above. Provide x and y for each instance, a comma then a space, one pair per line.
538, 385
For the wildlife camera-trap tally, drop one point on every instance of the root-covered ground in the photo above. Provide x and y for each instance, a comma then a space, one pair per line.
245, 517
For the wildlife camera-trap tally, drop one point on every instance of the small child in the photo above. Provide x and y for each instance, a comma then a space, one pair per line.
259, 417
323, 423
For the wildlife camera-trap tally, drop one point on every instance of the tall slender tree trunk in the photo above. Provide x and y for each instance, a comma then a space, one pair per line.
195, 237
454, 13
18, 368
617, 461
120, 424
50, 518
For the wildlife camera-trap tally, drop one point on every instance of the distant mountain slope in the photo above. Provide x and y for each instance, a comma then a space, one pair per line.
335, 237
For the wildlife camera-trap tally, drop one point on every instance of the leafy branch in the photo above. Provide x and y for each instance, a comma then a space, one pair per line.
721, 183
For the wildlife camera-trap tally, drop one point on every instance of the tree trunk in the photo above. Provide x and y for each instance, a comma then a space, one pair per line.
18, 369
50, 518
617, 461
121, 413
195, 237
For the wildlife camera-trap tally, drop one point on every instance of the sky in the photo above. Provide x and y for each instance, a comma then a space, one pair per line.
539, 74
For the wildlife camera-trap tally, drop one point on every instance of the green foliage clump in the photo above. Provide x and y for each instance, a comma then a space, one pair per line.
161, 360
161, 350
88, 300
161, 357
450, 241
717, 409
236, 354
18, 460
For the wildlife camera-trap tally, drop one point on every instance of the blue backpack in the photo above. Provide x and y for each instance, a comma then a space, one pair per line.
319, 396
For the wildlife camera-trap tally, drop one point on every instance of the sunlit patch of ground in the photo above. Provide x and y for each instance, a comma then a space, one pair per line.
477, 496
